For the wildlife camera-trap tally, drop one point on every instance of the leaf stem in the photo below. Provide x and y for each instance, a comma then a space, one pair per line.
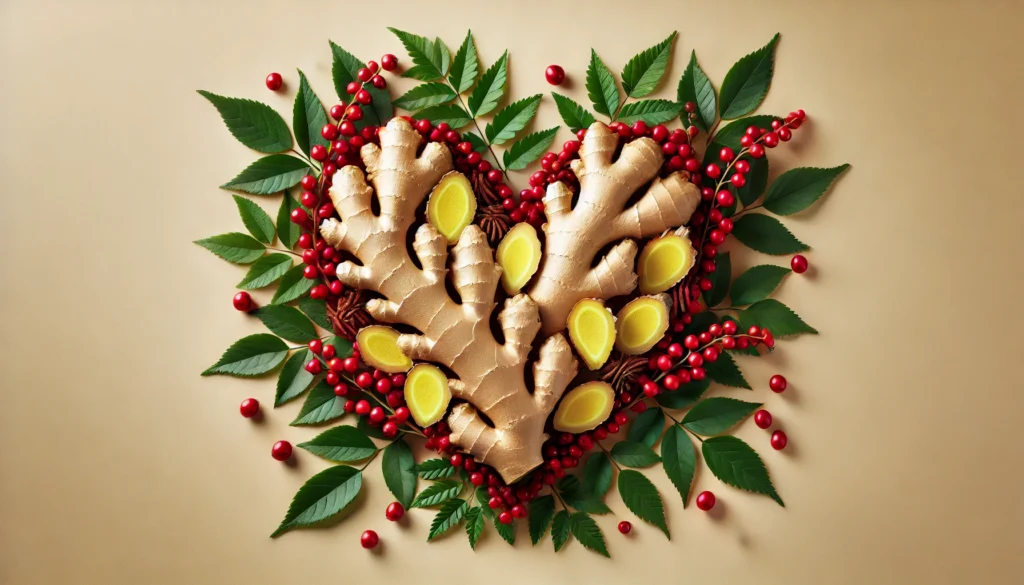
370, 460
558, 496
292, 252
608, 453
490, 148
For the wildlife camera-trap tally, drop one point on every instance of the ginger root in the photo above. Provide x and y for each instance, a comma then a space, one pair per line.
451, 206
592, 330
519, 256
378, 347
665, 261
641, 324
427, 394
584, 407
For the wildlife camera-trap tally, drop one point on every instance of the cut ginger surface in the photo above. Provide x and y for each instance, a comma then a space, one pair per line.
451, 206
518, 255
378, 346
592, 330
427, 394
664, 261
641, 324
584, 407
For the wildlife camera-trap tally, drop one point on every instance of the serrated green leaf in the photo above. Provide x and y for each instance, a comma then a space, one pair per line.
315, 309
256, 220
439, 492
735, 463
466, 66
601, 88
575, 116
716, 415
268, 175
647, 427
597, 475
725, 371
560, 529
293, 285
478, 143
575, 496
254, 124
448, 517
491, 87
344, 66
474, 526
542, 510
425, 95
250, 356
265, 271
642, 499
686, 395
776, 317
321, 406
308, 117
436, 469
650, 111
766, 234
293, 379
506, 531
796, 189
757, 283
747, 82
286, 230
442, 55
379, 110
679, 460
323, 496
511, 119
398, 469
452, 114
287, 322
695, 87
234, 247
644, 71
633, 454
342, 443
427, 56
588, 533
528, 149
719, 280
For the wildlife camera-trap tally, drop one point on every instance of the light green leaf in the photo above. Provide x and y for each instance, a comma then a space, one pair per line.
601, 88
293, 285
796, 189
269, 175
256, 220
778, 318
323, 496
315, 309
427, 56
650, 111
321, 406
466, 66
766, 234
437, 493
488, 92
343, 443
234, 247
250, 356
287, 322
644, 71
452, 114
448, 517
344, 66
254, 124
425, 95
266, 271
511, 119
436, 469
747, 82
528, 149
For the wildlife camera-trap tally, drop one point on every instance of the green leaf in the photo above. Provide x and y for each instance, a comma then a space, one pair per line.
448, 517
256, 220
474, 526
588, 533
686, 395
250, 356
427, 56
294, 379
399, 475
542, 510
757, 180
342, 346
647, 427
435, 469
574, 115
735, 463
265, 271
488, 92
714, 416
323, 496
254, 124
478, 143
286, 230
747, 82
466, 66
507, 531
642, 499
342, 443
425, 95
633, 454
560, 529
650, 111
679, 459
797, 189
344, 66
757, 283
452, 114
719, 280
379, 110
597, 475
234, 247
268, 175
528, 149
373, 431
601, 88
730, 136
315, 309
644, 71
725, 371
585, 502
308, 117
695, 87
766, 234
321, 406
437, 493
776, 317
442, 55
287, 322
511, 119
700, 323
293, 285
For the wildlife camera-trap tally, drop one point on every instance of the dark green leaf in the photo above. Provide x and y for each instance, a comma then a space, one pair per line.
529, 149
576, 497
700, 323
293, 285
399, 475
735, 463
730, 134
466, 66
234, 247
574, 115
644, 71
776, 317
452, 114
316, 310
435, 469
474, 526
427, 56
679, 459
647, 427
797, 189
478, 143
633, 454
597, 475
342, 346
425, 95
542, 510
757, 283
766, 234
286, 230
256, 220
287, 322
488, 92
441, 491
642, 499
254, 124
266, 271
323, 496
686, 395
747, 82
719, 280
695, 87
507, 531
725, 371
448, 517
343, 70
587, 532
511, 119
294, 379
308, 117
342, 443
379, 111
250, 356
601, 88
268, 175
321, 406
363, 424
650, 111
560, 529
757, 180
714, 416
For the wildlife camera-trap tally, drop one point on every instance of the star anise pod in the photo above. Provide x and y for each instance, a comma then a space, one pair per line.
348, 313
495, 222
483, 188
622, 373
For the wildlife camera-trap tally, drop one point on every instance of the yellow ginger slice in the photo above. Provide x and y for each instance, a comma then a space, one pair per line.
641, 324
378, 347
664, 261
451, 206
592, 330
584, 407
427, 394
519, 256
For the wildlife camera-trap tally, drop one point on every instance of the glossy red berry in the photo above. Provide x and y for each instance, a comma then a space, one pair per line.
725, 198
771, 140
779, 440
364, 74
726, 154
799, 264
242, 301
363, 407
318, 152
505, 517
364, 380
363, 97
554, 74
778, 383
369, 539
625, 527
705, 501
313, 366
249, 407
738, 180
281, 450
394, 512
757, 150
389, 62
378, 82
664, 363
274, 81
763, 419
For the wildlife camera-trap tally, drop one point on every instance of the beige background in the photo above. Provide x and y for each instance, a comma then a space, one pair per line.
119, 464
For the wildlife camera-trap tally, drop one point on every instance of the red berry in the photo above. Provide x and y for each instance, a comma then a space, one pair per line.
313, 366
763, 419
691, 342
738, 180
690, 107
757, 151
329, 132
242, 301
785, 134
675, 350
476, 478
369, 539
625, 527
664, 363
742, 166
310, 272
713, 171
363, 407
729, 327
249, 407
363, 97
364, 74
316, 346
725, 198
318, 152
519, 511
554, 74
364, 380
340, 389
308, 182
351, 365
377, 415
798, 263
777, 383
705, 501
779, 440
771, 140
308, 199
726, 154
505, 517
495, 502
274, 81
639, 128
389, 62
378, 82
281, 450
394, 512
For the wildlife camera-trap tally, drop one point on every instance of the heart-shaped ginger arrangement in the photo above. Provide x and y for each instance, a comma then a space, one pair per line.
467, 369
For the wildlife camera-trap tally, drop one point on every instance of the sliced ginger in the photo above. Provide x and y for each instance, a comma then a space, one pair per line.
451, 206
519, 256
592, 330
378, 346
427, 394
664, 261
641, 324
584, 407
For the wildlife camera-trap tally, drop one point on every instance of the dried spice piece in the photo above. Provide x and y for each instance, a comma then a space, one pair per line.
483, 188
348, 313
494, 222
622, 372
